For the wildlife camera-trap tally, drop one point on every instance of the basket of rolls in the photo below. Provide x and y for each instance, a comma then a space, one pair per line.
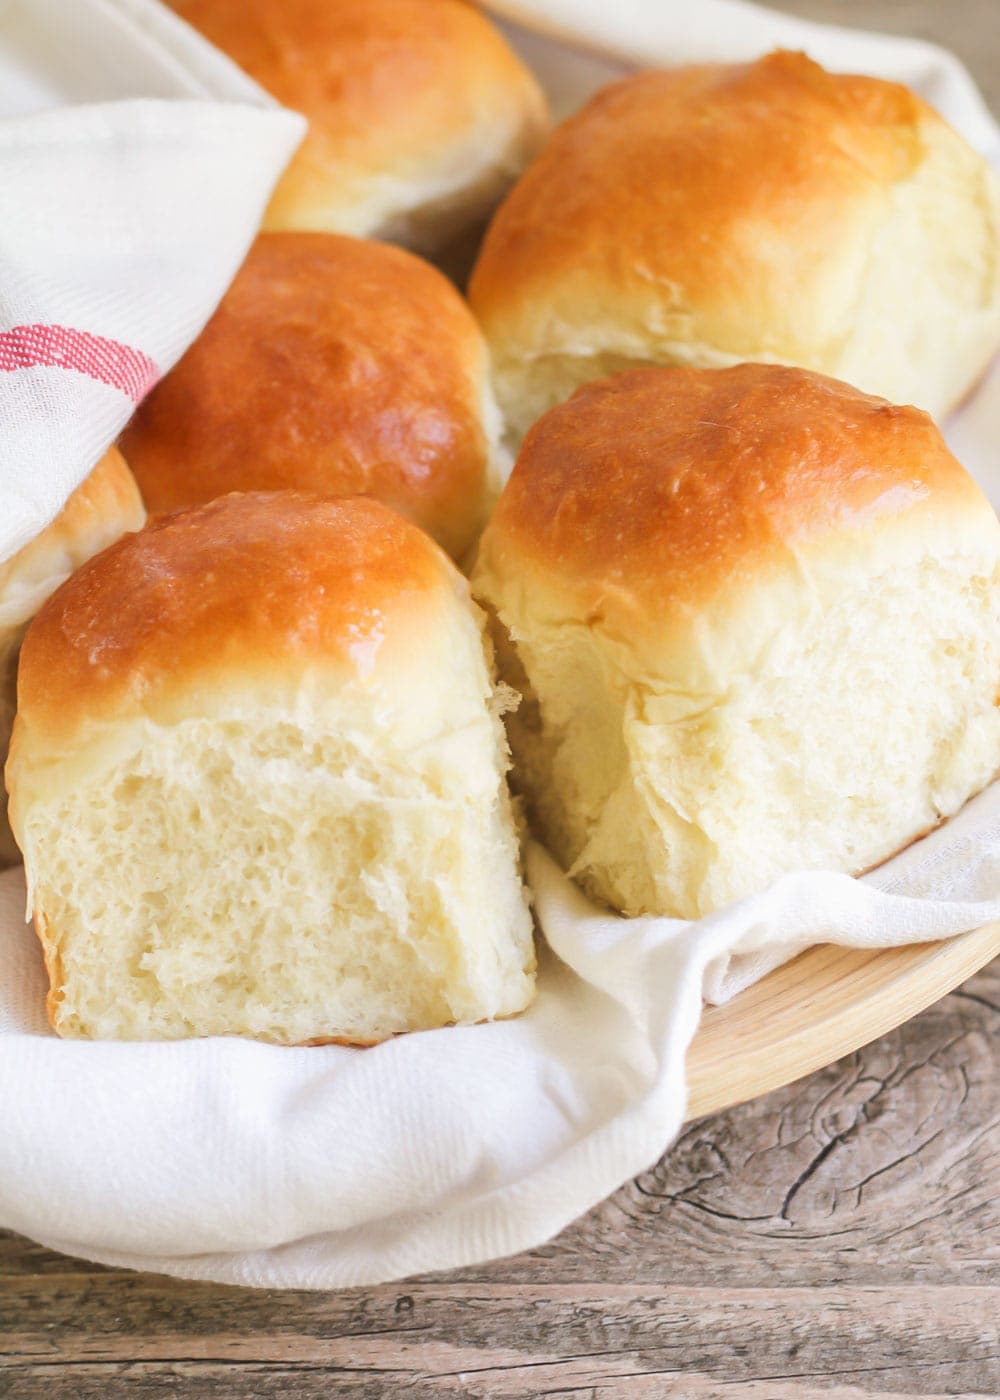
488, 565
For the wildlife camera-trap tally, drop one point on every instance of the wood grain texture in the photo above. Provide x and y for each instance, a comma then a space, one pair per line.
819, 1007
839, 1238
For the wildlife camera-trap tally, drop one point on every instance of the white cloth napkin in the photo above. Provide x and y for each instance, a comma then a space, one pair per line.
229, 1160
135, 163
315, 1168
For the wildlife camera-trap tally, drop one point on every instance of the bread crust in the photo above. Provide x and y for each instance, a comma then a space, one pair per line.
753, 612
106, 504
408, 102
106, 501
333, 365
690, 170
250, 583
651, 493
275, 713
764, 211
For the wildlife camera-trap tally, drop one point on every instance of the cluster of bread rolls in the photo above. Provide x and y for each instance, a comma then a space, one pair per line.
734, 616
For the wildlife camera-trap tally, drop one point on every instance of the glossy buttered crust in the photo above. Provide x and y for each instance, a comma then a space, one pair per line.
689, 170
407, 100
333, 365
659, 497
253, 586
712, 213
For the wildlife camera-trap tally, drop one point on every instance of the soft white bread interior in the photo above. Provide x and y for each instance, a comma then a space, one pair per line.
257, 774
770, 211
755, 615
102, 508
421, 116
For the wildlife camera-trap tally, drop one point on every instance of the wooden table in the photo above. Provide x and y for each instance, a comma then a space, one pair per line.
840, 1237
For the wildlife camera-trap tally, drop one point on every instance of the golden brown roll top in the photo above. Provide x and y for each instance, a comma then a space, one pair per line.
420, 115
103, 507
332, 365
766, 211
673, 506
261, 585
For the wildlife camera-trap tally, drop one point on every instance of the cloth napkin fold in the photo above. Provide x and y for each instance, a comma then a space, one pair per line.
121, 223
246, 1163
651, 33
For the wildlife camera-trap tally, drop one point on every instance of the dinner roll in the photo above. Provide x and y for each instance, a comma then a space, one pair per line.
102, 508
336, 366
257, 774
420, 114
755, 616
768, 211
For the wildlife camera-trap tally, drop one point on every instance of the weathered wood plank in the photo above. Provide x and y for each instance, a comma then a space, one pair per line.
274, 1383
213, 1382
445, 1339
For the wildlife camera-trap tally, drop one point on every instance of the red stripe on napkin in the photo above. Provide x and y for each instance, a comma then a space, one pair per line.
107, 360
